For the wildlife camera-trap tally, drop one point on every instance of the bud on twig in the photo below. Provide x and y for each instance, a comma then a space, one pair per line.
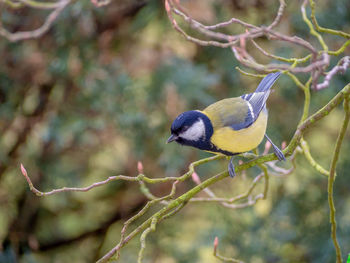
195, 178
267, 147
167, 6
140, 167
284, 145
99, 3
24, 171
216, 243
25, 174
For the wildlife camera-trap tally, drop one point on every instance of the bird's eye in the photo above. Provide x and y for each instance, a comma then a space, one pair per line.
185, 128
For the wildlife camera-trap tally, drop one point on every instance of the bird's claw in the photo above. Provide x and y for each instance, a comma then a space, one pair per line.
231, 168
279, 154
277, 151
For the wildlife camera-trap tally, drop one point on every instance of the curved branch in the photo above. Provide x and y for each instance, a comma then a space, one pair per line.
331, 178
14, 37
342, 66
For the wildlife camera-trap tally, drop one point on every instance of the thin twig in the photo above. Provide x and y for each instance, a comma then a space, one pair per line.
75, 189
306, 150
323, 29
222, 258
228, 202
342, 66
14, 37
312, 30
331, 178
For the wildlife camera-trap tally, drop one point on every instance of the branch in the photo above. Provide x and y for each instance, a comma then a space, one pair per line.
306, 151
14, 37
312, 30
320, 63
289, 60
138, 178
228, 202
309, 122
342, 66
323, 29
331, 178
319, 59
41, 5
222, 258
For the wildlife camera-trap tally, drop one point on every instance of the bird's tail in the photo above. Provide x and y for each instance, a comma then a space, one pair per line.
257, 99
267, 82
263, 88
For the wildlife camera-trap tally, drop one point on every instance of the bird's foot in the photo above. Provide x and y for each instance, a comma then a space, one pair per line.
231, 168
277, 151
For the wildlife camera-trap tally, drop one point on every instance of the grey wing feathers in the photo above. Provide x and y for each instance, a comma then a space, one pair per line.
249, 119
256, 101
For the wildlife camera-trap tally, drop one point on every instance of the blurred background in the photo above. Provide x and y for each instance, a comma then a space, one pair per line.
98, 93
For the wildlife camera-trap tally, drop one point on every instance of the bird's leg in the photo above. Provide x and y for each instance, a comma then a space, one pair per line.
277, 151
231, 168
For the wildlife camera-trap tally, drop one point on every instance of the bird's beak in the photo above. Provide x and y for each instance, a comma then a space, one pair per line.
171, 138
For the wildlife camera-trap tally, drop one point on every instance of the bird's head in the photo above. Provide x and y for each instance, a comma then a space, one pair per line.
191, 128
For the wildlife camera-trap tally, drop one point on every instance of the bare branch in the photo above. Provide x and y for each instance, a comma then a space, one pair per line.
279, 15
75, 189
331, 177
14, 37
342, 66
100, 3
306, 151
222, 258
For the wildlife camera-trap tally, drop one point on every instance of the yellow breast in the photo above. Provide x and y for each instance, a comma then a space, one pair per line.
242, 140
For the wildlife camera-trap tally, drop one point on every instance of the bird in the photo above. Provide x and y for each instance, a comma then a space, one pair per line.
230, 126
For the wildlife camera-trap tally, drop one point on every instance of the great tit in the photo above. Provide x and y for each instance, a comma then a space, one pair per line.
229, 126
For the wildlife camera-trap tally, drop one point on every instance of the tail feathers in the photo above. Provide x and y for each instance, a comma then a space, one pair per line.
264, 86
267, 82
256, 101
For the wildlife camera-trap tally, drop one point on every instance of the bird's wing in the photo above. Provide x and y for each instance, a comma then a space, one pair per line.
256, 102
239, 113
233, 112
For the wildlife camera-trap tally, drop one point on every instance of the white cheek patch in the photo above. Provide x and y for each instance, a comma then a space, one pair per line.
195, 132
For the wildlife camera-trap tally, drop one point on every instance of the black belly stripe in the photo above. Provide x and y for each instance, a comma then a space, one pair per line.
218, 150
